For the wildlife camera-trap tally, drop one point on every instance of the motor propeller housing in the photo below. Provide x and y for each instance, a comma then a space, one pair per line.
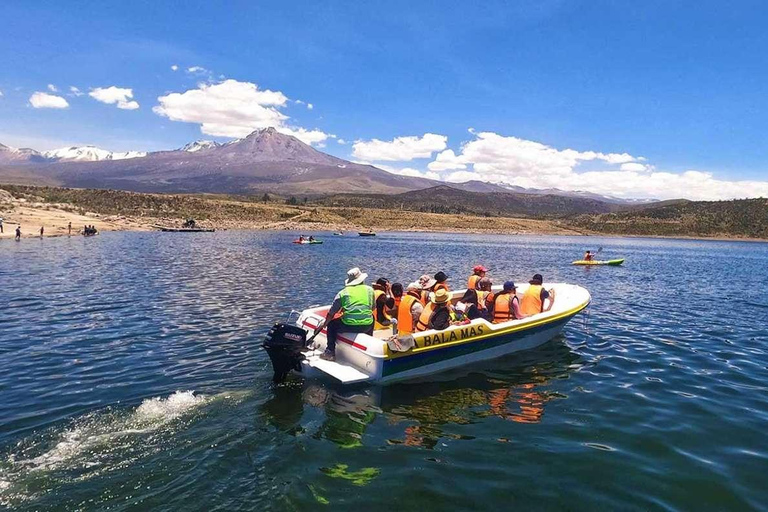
284, 344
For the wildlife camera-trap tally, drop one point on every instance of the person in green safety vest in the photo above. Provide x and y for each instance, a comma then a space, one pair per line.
355, 304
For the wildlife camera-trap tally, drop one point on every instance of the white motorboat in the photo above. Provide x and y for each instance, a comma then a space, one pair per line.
364, 358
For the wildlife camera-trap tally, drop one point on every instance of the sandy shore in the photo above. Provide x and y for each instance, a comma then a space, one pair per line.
55, 221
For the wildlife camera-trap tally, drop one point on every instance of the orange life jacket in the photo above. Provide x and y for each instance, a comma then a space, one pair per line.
472, 283
502, 307
422, 324
397, 302
424, 297
441, 285
489, 300
377, 322
532, 303
404, 317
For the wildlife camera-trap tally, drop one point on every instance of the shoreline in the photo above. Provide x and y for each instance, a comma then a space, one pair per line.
120, 211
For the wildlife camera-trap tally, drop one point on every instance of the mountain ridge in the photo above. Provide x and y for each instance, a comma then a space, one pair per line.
264, 161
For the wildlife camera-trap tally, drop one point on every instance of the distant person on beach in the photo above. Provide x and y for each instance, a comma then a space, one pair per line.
18, 232
42, 230
1, 224
69, 229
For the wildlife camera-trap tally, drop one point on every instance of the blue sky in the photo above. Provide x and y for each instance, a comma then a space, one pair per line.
677, 85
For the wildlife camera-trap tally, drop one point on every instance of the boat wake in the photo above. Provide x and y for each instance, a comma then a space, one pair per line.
96, 443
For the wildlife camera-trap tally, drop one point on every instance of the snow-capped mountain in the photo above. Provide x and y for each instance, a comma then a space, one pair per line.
89, 154
9, 155
199, 145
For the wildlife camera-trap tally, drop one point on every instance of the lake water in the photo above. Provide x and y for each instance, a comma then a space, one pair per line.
131, 378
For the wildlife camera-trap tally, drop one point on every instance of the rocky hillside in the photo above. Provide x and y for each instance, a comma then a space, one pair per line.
449, 199
745, 218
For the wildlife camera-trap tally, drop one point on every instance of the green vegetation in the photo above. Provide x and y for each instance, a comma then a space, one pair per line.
448, 200
743, 218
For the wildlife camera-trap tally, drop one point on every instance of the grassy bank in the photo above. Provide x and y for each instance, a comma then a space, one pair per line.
225, 212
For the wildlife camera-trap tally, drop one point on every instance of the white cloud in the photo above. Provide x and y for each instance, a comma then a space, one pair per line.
52, 88
174, 68
74, 91
340, 141
400, 149
447, 161
1, 94
233, 109
634, 167
196, 69
45, 100
310, 106
405, 171
115, 95
498, 159
314, 137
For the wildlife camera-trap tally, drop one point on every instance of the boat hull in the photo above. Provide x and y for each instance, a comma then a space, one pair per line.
612, 263
428, 363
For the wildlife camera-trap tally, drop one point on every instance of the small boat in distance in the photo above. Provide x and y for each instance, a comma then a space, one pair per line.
377, 358
612, 263
339, 233
185, 230
307, 242
366, 233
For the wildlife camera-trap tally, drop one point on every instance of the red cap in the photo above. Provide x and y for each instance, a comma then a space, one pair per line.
479, 268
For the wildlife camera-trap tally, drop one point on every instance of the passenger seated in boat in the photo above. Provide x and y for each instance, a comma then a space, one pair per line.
441, 282
506, 305
485, 296
426, 283
396, 291
437, 314
477, 274
383, 304
311, 238
588, 256
536, 296
409, 310
470, 307
355, 303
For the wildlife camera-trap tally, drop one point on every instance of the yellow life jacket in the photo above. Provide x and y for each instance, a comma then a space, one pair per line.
472, 282
422, 324
532, 303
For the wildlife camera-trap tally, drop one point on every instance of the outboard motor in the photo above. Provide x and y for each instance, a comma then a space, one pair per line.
284, 344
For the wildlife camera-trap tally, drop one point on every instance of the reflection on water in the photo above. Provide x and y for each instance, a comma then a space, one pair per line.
513, 388
640, 404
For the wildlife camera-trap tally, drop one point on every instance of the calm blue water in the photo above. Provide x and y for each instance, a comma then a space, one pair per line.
131, 379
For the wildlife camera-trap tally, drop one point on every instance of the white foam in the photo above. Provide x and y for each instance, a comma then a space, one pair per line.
95, 434
176, 405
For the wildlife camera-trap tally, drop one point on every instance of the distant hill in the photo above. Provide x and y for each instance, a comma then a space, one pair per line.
747, 218
449, 199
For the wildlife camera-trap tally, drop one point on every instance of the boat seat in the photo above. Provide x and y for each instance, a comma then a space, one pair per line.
383, 334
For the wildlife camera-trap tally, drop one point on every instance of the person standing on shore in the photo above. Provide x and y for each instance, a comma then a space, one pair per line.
18, 232
42, 230
69, 229
1, 224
